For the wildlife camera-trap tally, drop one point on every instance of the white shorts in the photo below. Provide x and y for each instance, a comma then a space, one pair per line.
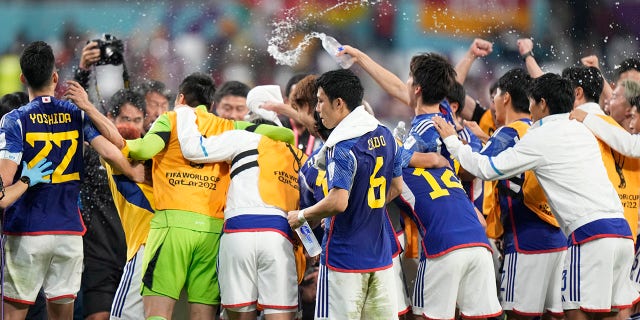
51, 262
532, 283
403, 302
127, 302
356, 296
464, 278
257, 268
596, 276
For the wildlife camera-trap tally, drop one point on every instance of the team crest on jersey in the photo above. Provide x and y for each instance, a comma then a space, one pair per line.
409, 142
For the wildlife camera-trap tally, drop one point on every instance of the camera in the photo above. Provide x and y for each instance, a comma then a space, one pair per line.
111, 50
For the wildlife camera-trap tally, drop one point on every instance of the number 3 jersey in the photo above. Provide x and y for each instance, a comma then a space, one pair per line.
55, 130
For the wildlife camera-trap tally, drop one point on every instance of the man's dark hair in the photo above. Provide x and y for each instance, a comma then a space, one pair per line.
11, 101
434, 74
198, 89
516, 83
626, 65
124, 96
231, 88
588, 78
292, 81
153, 86
457, 95
493, 88
555, 90
37, 64
342, 83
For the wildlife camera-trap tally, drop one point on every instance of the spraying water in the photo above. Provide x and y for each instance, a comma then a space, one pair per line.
284, 31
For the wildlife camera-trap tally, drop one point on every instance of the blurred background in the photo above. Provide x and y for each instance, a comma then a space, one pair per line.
167, 40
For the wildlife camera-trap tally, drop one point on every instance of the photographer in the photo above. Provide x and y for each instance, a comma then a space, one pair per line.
104, 242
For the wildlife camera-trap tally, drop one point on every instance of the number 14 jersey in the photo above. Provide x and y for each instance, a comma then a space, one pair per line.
55, 130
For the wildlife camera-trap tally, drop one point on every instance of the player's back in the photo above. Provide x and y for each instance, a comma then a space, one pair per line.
571, 172
525, 214
445, 216
55, 130
357, 239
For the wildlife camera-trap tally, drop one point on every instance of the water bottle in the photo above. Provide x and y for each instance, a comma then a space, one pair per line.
332, 46
309, 239
400, 131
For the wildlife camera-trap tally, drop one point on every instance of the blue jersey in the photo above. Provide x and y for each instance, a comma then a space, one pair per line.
312, 182
358, 240
444, 214
423, 136
52, 129
524, 230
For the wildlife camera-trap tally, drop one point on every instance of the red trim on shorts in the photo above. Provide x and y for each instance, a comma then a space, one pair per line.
405, 311
541, 251
359, 270
19, 301
240, 305
428, 318
481, 316
529, 314
42, 233
395, 236
268, 306
66, 296
598, 236
556, 314
259, 230
460, 246
626, 306
594, 310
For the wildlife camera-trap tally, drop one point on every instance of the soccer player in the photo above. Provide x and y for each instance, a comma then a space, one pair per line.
363, 172
257, 267
567, 162
182, 246
534, 246
43, 228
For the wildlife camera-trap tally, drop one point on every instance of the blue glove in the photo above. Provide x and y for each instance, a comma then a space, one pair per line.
38, 172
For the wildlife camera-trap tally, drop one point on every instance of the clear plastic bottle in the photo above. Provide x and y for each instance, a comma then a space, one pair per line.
400, 131
332, 46
309, 239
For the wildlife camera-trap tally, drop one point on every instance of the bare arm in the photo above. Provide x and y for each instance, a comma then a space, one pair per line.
389, 82
36, 174
8, 170
525, 45
107, 128
428, 160
333, 204
281, 108
607, 91
475, 129
478, 48
395, 189
113, 156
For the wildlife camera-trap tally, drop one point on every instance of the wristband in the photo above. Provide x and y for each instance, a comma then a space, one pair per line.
526, 54
301, 217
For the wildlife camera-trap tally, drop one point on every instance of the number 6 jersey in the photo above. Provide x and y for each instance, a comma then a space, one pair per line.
55, 130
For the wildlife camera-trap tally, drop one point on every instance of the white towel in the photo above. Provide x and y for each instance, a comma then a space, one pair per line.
356, 124
260, 95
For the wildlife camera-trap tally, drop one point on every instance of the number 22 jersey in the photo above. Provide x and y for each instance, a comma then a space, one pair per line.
52, 129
